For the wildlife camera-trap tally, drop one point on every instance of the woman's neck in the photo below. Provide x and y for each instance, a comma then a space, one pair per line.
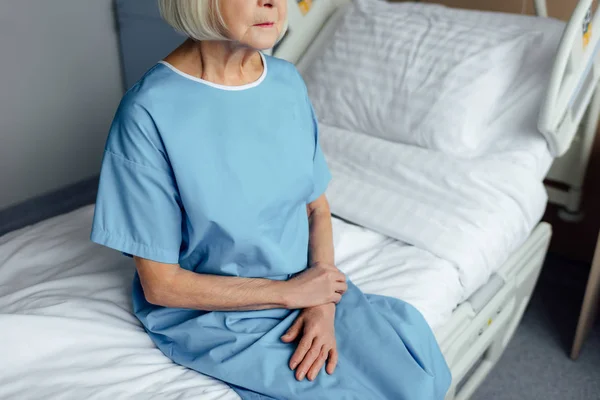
219, 62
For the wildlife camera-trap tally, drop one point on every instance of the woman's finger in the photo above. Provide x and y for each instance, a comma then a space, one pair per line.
294, 330
341, 277
318, 364
336, 298
341, 287
303, 348
309, 360
332, 360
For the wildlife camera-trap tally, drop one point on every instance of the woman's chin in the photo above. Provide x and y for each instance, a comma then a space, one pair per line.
262, 44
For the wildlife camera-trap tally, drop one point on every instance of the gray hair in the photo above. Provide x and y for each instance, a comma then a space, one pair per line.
197, 19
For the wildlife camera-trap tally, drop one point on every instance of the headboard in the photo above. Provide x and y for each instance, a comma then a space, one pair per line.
574, 79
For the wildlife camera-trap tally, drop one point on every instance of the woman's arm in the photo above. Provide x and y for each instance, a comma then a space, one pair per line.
169, 285
320, 247
315, 325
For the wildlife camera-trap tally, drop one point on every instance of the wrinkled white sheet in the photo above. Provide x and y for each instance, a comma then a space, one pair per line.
68, 331
471, 212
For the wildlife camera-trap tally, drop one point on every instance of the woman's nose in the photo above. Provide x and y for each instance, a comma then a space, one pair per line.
265, 3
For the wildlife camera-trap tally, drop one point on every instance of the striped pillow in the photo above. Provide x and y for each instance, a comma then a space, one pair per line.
416, 73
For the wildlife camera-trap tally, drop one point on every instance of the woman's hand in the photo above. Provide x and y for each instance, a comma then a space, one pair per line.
315, 326
320, 284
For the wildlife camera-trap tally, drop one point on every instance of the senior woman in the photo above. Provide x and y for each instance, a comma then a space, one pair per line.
213, 181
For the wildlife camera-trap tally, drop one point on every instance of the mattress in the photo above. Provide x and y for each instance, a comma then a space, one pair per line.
69, 332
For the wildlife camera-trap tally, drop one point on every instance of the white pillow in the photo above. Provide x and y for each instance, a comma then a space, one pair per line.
416, 75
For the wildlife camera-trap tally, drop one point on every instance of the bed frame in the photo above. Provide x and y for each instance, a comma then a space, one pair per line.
481, 327
569, 115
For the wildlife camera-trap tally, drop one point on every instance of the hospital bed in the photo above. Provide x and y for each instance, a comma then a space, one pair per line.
68, 329
477, 332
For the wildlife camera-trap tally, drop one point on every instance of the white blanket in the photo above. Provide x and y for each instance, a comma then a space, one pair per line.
68, 331
473, 213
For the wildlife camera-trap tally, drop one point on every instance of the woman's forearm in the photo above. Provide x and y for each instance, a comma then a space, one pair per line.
320, 248
176, 287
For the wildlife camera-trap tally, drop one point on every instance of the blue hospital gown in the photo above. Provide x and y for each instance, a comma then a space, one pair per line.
217, 179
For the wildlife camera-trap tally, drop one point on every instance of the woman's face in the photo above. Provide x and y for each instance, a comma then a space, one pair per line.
254, 23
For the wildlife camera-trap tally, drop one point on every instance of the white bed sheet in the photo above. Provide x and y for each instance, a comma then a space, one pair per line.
68, 331
471, 212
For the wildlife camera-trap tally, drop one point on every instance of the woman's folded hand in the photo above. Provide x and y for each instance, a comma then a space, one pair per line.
317, 345
317, 285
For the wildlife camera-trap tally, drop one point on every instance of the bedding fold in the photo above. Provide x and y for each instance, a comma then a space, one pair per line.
473, 213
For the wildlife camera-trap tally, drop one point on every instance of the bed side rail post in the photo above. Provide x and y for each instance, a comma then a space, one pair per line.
540, 8
587, 131
574, 78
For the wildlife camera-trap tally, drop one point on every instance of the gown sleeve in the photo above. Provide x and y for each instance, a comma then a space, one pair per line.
321, 174
138, 208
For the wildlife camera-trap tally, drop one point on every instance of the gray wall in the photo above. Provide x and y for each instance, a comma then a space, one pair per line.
145, 37
60, 83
